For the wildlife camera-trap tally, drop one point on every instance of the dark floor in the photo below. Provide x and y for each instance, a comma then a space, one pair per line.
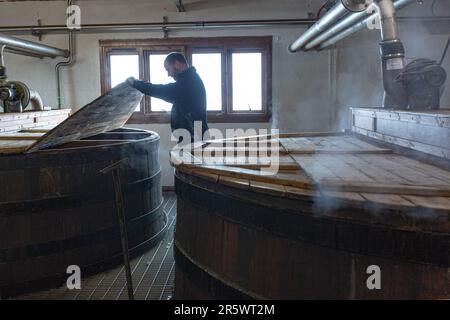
153, 273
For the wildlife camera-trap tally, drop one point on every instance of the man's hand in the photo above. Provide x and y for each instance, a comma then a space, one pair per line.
130, 81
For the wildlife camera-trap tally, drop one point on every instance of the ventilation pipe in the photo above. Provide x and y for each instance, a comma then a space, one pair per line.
36, 100
350, 24
328, 19
392, 57
66, 63
340, 26
392, 51
338, 35
32, 47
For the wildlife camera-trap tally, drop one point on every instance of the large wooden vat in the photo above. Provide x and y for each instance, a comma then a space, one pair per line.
338, 209
57, 209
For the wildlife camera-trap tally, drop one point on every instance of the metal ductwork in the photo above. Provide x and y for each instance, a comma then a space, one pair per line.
343, 30
340, 22
15, 96
36, 100
69, 62
338, 11
29, 47
418, 85
392, 56
392, 50
335, 29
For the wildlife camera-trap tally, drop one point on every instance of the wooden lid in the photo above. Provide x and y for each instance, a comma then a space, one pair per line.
108, 112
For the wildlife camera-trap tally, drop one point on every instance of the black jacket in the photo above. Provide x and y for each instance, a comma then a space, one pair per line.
187, 95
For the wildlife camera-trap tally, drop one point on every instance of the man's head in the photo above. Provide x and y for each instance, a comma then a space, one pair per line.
175, 64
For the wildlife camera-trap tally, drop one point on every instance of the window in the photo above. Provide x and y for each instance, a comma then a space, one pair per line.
158, 74
236, 73
247, 81
123, 66
209, 67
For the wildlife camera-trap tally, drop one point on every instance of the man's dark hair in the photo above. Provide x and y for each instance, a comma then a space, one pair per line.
176, 56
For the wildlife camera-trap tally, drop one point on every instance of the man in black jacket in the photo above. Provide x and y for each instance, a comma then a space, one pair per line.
187, 94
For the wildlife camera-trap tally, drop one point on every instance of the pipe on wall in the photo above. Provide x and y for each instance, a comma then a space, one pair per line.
389, 28
399, 4
32, 47
337, 12
157, 26
392, 56
335, 29
36, 100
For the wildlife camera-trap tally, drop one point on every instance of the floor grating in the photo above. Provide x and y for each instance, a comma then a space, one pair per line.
152, 272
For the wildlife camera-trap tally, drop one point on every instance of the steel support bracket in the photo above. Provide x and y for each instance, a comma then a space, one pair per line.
164, 28
38, 33
180, 6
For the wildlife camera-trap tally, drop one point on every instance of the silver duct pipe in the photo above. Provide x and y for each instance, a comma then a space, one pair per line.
36, 100
392, 57
399, 4
328, 19
26, 53
341, 25
32, 47
389, 27
66, 63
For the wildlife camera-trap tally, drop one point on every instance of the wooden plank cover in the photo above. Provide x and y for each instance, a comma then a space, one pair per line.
340, 166
108, 112
13, 122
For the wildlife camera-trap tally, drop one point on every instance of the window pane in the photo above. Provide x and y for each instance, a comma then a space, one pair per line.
209, 67
158, 75
247, 90
123, 67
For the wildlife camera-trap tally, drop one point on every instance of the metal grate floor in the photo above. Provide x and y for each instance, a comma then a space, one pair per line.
153, 273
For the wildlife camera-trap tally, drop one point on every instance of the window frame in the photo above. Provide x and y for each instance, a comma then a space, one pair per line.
225, 45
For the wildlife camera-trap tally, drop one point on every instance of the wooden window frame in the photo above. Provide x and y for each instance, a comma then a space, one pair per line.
189, 46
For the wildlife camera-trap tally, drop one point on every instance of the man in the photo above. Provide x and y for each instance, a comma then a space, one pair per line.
187, 94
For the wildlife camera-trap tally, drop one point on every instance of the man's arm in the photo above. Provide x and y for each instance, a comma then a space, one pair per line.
167, 92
